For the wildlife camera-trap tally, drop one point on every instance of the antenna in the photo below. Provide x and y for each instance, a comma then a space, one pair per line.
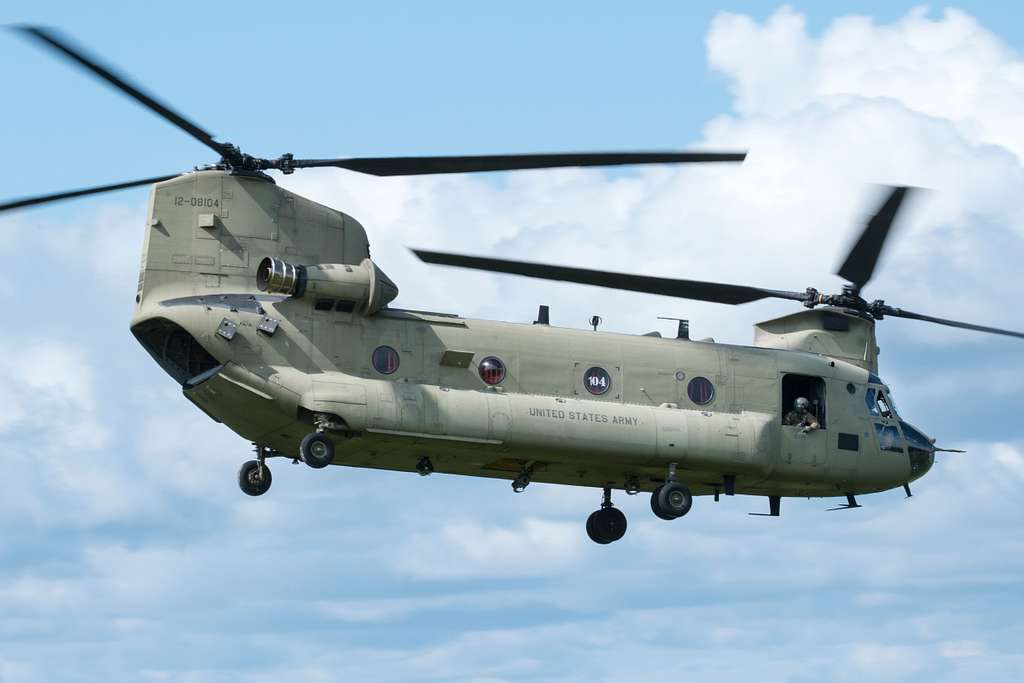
542, 316
595, 320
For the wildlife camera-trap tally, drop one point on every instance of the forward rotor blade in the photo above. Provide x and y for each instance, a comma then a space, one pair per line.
684, 289
391, 166
860, 262
900, 313
77, 55
58, 196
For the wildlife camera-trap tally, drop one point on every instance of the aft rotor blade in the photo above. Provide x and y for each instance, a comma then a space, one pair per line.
58, 196
900, 313
392, 166
78, 56
684, 289
863, 257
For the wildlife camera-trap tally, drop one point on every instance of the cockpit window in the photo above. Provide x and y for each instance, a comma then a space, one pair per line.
889, 438
869, 398
878, 403
883, 404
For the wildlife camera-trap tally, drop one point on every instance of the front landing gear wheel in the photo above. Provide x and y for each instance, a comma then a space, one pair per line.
671, 500
254, 479
317, 450
606, 525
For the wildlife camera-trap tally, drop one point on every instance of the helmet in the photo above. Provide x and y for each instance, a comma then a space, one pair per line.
802, 404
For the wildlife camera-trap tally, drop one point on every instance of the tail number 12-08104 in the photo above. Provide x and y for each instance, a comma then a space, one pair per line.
197, 202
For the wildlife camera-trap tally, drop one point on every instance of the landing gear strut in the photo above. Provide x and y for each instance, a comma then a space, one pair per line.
317, 449
522, 480
254, 476
672, 499
424, 467
608, 524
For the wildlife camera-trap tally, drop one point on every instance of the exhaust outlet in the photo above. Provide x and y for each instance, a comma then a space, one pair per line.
276, 276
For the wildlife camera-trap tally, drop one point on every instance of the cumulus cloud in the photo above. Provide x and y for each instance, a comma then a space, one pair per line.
125, 527
465, 549
823, 118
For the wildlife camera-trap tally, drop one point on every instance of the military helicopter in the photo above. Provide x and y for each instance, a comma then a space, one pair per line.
267, 310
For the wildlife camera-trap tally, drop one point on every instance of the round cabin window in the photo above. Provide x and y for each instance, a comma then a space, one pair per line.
597, 381
492, 370
385, 360
701, 391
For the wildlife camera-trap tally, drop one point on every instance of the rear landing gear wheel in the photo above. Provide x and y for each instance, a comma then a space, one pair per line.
608, 524
656, 509
317, 450
671, 500
253, 478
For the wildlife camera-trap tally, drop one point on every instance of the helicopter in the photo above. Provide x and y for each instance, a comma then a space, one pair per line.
266, 308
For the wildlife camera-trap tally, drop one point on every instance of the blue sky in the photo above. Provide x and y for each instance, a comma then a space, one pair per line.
127, 551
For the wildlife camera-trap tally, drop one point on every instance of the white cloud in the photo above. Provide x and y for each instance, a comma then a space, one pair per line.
464, 584
949, 68
881, 661
819, 126
464, 549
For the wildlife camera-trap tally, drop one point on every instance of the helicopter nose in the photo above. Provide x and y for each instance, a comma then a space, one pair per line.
920, 449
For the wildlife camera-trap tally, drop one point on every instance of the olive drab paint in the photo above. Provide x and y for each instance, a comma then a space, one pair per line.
571, 406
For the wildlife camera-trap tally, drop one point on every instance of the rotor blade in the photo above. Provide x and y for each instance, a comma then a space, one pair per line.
684, 289
77, 55
390, 166
58, 196
860, 262
900, 313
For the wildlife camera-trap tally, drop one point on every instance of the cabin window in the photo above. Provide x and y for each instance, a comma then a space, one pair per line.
385, 360
701, 391
597, 381
804, 386
492, 370
323, 304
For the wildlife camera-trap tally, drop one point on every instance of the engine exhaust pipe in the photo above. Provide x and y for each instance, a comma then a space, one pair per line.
276, 276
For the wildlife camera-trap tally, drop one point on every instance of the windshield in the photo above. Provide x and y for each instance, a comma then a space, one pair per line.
914, 437
892, 404
889, 438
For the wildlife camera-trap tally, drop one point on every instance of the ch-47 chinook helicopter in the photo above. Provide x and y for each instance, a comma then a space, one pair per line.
268, 311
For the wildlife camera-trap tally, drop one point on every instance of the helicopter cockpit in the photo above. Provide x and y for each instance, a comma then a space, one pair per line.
894, 434
880, 406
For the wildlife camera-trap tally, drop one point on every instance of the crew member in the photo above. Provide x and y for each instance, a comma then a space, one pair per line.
801, 416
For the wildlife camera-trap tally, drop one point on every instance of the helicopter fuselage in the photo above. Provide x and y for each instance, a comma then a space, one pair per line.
395, 386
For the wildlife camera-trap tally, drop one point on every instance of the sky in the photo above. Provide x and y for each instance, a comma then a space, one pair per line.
127, 551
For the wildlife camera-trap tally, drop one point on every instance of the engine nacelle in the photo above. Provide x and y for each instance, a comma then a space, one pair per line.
365, 285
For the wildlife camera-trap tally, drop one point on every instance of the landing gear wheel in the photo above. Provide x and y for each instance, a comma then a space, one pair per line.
251, 480
606, 525
658, 512
673, 499
317, 450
